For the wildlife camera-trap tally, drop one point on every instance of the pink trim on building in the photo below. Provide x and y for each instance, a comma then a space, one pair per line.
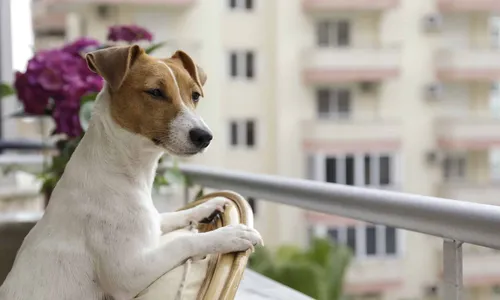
479, 144
138, 2
477, 281
322, 5
372, 287
349, 146
50, 21
330, 220
469, 5
480, 75
337, 75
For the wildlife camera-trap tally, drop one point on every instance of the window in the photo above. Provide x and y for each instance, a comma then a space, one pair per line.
454, 166
250, 134
242, 133
368, 170
234, 133
385, 170
333, 103
331, 169
367, 240
242, 4
390, 240
371, 240
234, 64
249, 64
374, 170
333, 33
349, 170
351, 238
333, 234
242, 64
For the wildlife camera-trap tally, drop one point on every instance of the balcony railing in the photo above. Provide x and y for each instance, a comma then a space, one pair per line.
468, 190
468, 64
348, 5
468, 132
330, 65
468, 5
71, 5
454, 221
370, 133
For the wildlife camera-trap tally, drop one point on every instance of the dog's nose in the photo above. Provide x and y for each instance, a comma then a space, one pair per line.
200, 138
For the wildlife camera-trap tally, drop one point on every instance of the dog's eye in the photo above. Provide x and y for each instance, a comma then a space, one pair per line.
156, 93
195, 96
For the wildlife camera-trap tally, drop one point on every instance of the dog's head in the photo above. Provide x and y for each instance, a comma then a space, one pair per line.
155, 98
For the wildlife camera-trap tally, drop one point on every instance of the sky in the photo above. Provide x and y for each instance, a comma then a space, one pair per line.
22, 33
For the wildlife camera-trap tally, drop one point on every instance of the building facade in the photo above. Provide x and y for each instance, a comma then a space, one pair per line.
388, 94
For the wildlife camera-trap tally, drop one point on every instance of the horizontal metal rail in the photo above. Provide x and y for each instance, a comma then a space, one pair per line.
450, 219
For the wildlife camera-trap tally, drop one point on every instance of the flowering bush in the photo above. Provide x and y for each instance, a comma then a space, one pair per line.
129, 34
58, 83
55, 81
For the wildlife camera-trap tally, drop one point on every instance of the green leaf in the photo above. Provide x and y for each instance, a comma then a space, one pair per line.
199, 194
88, 97
6, 90
153, 47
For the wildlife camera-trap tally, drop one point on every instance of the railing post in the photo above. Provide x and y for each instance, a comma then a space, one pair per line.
452, 264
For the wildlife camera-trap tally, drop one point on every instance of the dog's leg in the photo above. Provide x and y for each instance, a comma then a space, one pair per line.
204, 212
124, 272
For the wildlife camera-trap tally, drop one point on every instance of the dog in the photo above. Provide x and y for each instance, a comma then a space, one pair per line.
99, 236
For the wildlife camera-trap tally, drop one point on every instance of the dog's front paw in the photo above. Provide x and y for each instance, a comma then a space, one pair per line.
206, 212
235, 238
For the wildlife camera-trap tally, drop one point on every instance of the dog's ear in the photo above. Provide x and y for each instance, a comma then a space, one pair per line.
113, 63
195, 71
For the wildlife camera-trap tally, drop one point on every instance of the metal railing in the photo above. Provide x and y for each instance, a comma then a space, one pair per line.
454, 221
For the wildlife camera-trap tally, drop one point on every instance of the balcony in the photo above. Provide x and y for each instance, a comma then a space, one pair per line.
470, 191
72, 5
468, 65
468, 132
333, 65
375, 275
468, 5
451, 220
348, 135
346, 5
54, 21
482, 268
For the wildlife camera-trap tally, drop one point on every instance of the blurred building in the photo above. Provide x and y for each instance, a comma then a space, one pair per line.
389, 94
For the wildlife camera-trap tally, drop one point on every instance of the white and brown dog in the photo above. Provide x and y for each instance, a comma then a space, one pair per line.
99, 237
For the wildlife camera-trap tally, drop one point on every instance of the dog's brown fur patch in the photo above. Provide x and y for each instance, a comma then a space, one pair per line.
130, 73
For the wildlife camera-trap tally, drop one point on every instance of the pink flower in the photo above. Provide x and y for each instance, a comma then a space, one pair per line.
35, 99
62, 75
129, 34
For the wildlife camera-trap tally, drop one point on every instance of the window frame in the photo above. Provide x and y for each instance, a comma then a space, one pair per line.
360, 236
238, 131
242, 5
242, 65
458, 164
329, 35
323, 171
331, 96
